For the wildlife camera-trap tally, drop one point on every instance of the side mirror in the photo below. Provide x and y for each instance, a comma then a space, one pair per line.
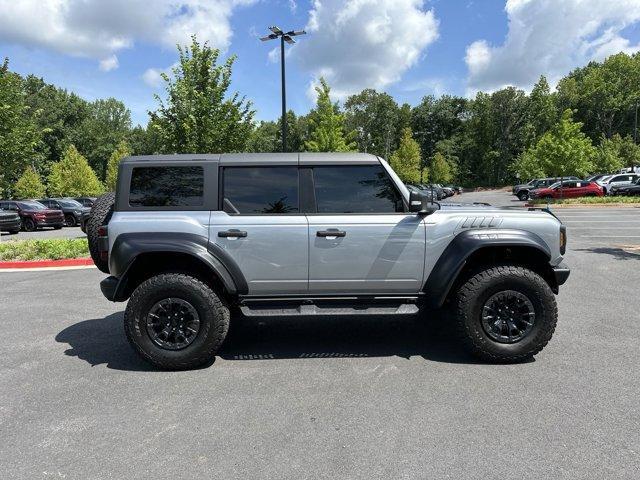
420, 204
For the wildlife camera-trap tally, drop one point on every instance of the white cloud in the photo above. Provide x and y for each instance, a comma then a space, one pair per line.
100, 29
356, 44
109, 63
551, 37
153, 76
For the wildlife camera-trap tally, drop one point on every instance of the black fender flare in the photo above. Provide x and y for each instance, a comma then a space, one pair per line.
465, 244
128, 246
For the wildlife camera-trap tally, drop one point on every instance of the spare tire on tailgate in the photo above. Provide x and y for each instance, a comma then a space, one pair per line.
100, 215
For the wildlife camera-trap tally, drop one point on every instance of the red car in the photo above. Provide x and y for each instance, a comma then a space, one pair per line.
34, 215
569, 189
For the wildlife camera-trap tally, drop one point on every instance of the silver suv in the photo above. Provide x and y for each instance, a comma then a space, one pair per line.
188, 237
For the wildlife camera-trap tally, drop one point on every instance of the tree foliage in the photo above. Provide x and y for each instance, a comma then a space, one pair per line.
122, 150
406, 161
72, 176
19, 135
29, 185
327, 125
565, 150
197, 115
440, 171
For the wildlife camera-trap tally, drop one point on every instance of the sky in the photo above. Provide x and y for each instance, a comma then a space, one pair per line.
408, 48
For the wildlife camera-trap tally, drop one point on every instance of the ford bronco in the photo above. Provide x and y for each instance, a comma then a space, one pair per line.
186, 238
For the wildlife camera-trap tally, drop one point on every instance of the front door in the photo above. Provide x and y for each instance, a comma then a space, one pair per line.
261, 228
361, 240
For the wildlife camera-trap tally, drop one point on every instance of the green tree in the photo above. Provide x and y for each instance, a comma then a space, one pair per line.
19, 135
607, 157
122, 150
327, 125
405, 161
197, 115
541, 111
565, 150
264, 138
29, 185
528, 166
72, 176
440, 170
374, 116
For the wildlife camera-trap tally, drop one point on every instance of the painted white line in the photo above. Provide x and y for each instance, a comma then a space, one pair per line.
45, 269
604, 228
602, 221
609, 236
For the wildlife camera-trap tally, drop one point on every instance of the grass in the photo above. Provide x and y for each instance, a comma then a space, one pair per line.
588, 201
50, 249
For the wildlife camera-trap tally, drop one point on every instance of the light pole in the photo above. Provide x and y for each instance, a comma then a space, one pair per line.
635, 132
284, 37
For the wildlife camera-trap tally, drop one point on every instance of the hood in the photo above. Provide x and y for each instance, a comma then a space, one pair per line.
8, 215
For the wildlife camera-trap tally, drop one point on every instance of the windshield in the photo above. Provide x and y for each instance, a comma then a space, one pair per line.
605, 178
70, 203
32, 205
554, 185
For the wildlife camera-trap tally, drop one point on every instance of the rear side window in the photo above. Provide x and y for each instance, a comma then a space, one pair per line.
167, 187
355, 189
260, 190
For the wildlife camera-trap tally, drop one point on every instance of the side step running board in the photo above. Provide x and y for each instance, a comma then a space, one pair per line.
303, 310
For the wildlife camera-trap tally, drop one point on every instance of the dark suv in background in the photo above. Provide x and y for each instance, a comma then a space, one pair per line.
85, 201
33, 214
9, 221
72, 209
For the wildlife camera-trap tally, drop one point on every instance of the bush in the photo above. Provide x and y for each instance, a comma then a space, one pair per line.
50, 249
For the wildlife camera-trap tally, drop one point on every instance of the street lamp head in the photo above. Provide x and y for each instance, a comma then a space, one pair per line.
271, 36
276, 30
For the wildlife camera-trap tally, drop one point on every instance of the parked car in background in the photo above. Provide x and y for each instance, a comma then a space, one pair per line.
523, 191
449, 191
633, 189
72, 209
595, 178
607, 183
10, 221
85, 201
421, 189
569, 189
34, 215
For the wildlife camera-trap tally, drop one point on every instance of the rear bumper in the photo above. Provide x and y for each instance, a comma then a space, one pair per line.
561, 273
109, 288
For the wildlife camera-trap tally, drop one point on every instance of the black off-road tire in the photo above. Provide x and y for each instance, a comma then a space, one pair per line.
100, 215
471, 297
213, 313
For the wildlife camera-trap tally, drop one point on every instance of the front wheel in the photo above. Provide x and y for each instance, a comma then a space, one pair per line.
176, 322
69, 220
523, 196
29, 225
506, 314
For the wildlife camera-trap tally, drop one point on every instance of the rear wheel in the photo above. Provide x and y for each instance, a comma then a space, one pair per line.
100, 215
69, 220
175, 321
505, 314
523, 196
29, 225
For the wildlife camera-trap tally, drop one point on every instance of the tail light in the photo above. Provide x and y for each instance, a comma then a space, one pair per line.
103, 242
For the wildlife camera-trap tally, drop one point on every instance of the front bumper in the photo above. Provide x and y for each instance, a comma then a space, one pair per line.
11, 226
561, 272
50, 223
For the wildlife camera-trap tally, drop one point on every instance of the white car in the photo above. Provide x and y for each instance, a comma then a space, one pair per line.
617, 180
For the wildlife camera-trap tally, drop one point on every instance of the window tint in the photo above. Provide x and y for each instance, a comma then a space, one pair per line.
260, 190
355, 189
166, 187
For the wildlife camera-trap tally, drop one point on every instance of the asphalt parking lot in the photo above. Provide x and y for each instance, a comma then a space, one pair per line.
329, 398
66, 232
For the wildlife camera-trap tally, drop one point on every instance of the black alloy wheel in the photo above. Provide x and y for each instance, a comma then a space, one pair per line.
173, 323
508, 316
69, 220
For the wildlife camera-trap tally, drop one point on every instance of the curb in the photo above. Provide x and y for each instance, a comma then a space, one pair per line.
67, 262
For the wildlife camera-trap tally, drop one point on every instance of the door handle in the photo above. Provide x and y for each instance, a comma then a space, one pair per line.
331, 233
233, 233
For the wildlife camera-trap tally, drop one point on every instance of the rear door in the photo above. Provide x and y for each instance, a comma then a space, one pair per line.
361, 238
261, 227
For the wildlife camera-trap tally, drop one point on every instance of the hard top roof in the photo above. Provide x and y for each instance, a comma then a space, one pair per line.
303, 158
